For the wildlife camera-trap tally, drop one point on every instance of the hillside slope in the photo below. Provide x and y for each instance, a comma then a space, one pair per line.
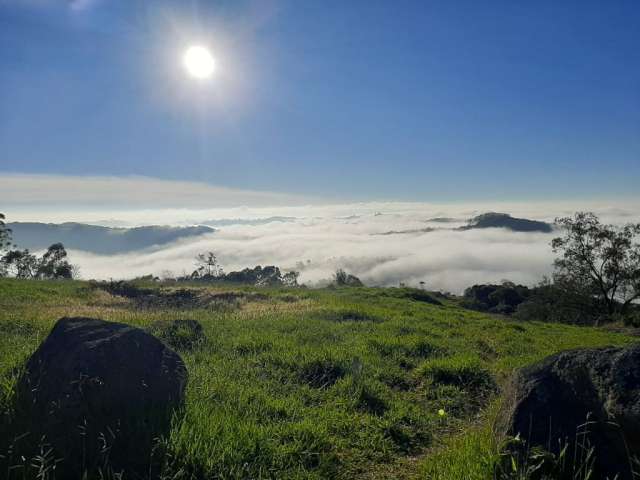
98, 239
309, 384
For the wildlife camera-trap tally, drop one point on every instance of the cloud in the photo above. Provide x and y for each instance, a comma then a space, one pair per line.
310, 235
447, 260
129, 192
317, 245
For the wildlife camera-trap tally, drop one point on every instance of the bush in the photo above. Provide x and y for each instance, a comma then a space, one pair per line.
553, 302
503, 298
269, 275
633, 318
344, 279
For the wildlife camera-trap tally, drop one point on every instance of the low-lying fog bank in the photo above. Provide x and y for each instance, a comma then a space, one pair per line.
382, 243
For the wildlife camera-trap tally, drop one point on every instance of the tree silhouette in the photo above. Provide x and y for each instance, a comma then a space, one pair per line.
207, 265
5, 234
601, 260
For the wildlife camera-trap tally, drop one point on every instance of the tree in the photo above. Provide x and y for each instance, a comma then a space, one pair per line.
20, 263
5, 234
268, 276
290, 279
207, 265
503, 298
24, 264
560, 302
599, 260
54, 264
342, 278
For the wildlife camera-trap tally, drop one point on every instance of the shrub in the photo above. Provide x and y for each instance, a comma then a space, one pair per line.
503, 298
555, 302
344, 279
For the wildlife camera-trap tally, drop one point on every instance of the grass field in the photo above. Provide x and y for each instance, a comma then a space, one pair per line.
300, 383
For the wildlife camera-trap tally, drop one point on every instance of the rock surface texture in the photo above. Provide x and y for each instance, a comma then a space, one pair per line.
549, 403
100, 392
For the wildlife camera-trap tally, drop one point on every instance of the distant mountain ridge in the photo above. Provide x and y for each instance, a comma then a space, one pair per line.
485, 220
98, 239
504, 220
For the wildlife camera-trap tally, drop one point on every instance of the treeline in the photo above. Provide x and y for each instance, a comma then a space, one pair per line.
53, 264
596, 278
208, 269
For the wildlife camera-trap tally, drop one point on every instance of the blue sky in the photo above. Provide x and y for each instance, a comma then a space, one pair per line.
396, 100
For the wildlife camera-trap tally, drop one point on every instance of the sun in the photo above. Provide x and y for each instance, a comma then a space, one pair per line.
199, 62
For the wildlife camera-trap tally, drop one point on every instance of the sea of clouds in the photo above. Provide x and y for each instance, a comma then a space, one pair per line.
382, 243
310, 235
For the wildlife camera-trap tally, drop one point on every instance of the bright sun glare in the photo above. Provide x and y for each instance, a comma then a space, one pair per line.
199, 62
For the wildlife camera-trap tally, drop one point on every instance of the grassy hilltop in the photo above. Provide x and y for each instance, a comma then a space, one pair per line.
301, 383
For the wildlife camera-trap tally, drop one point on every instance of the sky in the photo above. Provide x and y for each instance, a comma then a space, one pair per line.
425, 101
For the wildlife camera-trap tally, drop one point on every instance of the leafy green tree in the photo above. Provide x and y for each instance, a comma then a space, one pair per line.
599, 260
268, 276
290, 279
5, 234
20, 264
54, 264
344, 279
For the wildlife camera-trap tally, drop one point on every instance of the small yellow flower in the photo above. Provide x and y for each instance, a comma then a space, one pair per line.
441, 412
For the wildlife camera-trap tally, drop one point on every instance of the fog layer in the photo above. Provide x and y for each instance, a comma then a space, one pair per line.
316, 240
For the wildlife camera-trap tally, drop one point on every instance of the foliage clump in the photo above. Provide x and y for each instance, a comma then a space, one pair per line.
208, 269
344, 279
599, 260
23, 264
503, 298
596, 277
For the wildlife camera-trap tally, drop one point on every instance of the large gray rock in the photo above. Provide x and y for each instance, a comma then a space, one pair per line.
100, 392
549, 402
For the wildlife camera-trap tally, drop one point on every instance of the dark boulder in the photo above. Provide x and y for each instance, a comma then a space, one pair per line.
582, 398
100, 392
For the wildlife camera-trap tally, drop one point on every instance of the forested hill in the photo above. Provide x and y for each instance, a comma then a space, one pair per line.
504, 220
98, 239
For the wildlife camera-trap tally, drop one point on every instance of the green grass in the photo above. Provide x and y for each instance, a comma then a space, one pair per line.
309, 384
